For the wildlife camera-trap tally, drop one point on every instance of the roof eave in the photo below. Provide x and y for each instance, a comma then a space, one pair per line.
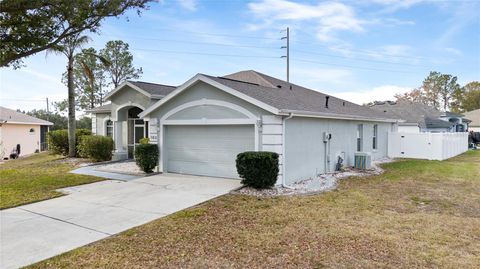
28, 123
300, 113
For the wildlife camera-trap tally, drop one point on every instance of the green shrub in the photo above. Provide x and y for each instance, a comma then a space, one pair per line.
95, 147
144, 140
146, 156
58, 140
258, 169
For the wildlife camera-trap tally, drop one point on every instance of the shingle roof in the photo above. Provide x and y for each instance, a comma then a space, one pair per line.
474, 116
153, 88
11, 116
288, 96
99, 109
425, 116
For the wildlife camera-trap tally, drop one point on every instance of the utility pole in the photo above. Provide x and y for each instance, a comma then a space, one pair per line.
48, 110
287, 47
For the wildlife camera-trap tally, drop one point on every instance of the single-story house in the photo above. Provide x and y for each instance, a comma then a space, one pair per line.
23, 131
474, 116
201, 125
421, 118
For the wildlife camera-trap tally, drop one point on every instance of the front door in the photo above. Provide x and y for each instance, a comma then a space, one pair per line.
136, 131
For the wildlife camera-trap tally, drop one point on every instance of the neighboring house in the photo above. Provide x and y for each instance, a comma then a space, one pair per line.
421, 118
20, 129
474, 116
201, 125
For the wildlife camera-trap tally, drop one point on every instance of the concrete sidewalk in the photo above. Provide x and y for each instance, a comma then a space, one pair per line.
34, 232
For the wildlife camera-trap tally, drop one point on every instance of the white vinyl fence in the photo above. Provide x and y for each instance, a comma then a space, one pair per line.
431, 146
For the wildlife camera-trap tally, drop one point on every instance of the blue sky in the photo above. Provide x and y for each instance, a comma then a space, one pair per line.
357, 50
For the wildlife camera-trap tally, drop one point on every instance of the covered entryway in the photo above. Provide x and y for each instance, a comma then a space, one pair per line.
208, 150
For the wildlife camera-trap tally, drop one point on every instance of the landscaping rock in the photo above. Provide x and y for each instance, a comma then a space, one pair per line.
321, 183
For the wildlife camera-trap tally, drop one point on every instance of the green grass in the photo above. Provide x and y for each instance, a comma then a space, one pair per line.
36, 178
419, 214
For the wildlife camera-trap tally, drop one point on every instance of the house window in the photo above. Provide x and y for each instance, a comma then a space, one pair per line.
359, 137
109, 128
375, 135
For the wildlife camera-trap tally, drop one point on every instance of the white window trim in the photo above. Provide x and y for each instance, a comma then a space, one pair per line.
375, 135
115, 114
105, 127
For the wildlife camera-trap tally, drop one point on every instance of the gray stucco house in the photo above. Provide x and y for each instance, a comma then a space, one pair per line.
422, 118
201, 125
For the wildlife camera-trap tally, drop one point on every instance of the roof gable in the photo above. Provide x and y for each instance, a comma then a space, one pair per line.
151, 90
13, 117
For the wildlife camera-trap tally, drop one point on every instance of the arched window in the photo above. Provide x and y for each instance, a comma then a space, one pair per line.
109, 128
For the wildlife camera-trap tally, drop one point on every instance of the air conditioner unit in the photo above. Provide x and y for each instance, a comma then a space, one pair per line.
363, 160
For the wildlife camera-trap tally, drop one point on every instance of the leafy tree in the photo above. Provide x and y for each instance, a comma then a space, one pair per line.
59, 121
416, 95
121, 62
448, 86
84, 123
31, 26
467, 98
431, 88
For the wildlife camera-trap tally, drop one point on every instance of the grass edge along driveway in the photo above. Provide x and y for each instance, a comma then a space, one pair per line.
419, 214
36, 178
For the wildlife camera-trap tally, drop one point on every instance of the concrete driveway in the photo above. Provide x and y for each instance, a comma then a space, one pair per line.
34, 232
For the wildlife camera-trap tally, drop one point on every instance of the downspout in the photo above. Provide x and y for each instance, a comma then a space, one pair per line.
283, 151
158, 145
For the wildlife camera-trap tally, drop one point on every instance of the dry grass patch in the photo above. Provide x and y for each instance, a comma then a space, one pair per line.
418, 214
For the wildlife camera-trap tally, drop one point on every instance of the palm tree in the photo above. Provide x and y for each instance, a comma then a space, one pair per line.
68, 46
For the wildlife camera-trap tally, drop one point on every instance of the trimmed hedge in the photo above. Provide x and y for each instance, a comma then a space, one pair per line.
258, 169
146, 157
58, 140
95, 147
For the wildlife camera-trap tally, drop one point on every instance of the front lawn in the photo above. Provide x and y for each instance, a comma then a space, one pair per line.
36, 178
418, 214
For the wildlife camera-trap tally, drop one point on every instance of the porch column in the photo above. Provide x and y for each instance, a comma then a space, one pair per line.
117, 134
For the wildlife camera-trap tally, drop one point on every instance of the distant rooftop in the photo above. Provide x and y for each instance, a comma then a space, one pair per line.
14, 117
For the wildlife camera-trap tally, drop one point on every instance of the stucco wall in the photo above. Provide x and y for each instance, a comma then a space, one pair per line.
13, 134
201, 90
100, 123
128, 96
305, 149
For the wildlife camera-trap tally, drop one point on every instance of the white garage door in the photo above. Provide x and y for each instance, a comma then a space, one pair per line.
206, 150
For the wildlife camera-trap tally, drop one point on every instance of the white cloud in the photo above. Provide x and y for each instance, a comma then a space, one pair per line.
395, 5
454, 51
190, 5
329, 17
379, 93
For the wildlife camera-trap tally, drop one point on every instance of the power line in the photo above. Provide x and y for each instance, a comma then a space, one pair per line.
355, 59
351, 66
203, 43
212, 34
207, 54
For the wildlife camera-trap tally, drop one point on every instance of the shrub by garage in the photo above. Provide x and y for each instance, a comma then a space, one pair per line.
95, 147
258, 169
58, 140
146, 156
